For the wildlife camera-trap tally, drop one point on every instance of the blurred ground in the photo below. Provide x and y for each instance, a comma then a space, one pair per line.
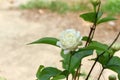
19, 61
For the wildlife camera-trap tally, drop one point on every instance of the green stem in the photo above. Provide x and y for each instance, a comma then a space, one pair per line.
96, 19
93, 28
78, 72
72, 77
91, 69
91, 34
71, 54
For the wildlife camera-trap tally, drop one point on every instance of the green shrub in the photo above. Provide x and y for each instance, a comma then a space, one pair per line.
32, 4
2, 78
56, 6
79, 7
59, 6
112, 6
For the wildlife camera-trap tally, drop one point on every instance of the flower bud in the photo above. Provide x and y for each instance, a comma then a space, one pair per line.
116, 46
112, 77
95, 2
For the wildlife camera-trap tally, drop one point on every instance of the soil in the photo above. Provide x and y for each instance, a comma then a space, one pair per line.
19, 61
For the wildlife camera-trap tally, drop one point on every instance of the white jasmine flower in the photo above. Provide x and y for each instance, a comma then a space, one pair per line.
69, 40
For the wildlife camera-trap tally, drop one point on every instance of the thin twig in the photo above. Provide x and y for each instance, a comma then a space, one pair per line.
90, 37
100, 74
76, 74
95, 23
93, 28
110, 57
79, 72
101, 55
115, 40
92, 68
91, 34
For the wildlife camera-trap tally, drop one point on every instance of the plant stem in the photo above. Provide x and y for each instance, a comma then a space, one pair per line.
72, 77
77, 72
95, 24
115, 39
110, 57
91, 34
91, 69
101, 55
100, 74
71, 54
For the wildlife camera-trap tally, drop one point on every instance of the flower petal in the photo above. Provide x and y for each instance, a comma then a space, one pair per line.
66, 51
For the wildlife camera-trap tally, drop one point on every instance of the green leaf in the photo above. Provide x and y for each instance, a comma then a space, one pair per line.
107, 60
41, 67
101, 48
65, 61
103, 59
100, 15
114, 64
59, 77
106, 19
98, 46
65, 73
75, 59
90, 17
46, 40
47, 73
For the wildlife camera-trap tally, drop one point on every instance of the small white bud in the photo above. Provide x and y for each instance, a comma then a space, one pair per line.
116, 46
112, 77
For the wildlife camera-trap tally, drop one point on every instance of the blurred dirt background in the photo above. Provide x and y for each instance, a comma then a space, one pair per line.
19, 61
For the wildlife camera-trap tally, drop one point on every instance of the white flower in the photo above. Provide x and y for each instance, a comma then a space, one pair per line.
69, 40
